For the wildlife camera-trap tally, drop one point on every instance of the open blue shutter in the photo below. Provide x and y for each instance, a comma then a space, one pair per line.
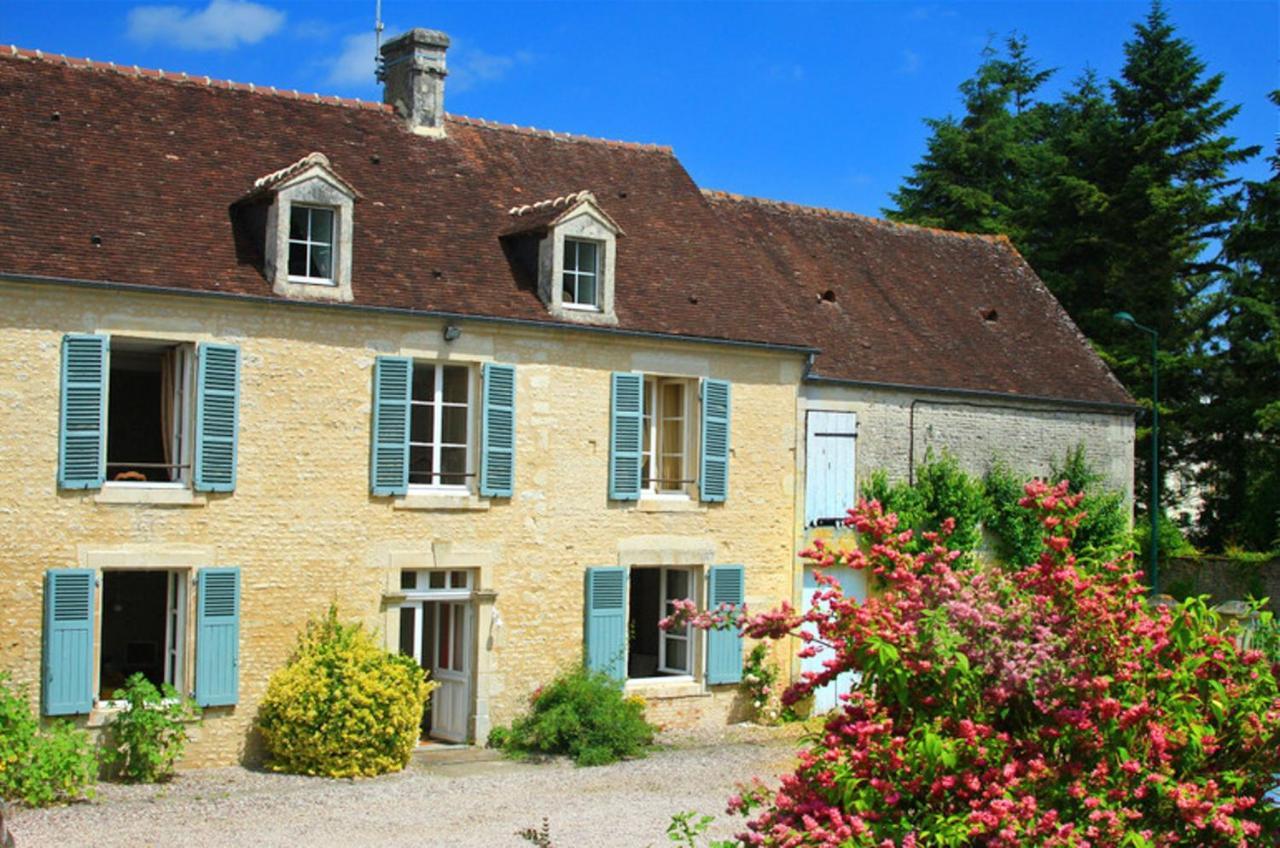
724, 647
498, 431
217, 417
829, 489
389, 457
68, 641
605, 629
82, 431
218, 637
713, 477
626, 436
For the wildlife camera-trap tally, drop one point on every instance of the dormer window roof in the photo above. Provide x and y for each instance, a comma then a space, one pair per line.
577, 246
309, 226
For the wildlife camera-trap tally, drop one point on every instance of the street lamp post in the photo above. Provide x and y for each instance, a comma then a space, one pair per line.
1153, 502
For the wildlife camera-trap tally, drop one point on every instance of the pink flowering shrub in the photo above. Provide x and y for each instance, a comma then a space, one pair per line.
1043, 705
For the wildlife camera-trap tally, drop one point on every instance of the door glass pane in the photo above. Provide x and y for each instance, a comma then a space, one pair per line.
445, 631
455, 384
677, 585
677, 654
436, 579
453, 425
458, 579
406, 631
459, 622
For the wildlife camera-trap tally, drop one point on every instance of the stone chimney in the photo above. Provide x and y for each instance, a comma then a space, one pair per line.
413, 79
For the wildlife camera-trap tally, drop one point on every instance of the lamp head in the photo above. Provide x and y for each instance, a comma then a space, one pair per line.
1124, 317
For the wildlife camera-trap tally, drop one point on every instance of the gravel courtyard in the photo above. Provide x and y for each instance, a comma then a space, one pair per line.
447, 804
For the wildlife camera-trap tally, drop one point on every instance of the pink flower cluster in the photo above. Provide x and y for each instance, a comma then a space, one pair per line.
1033, 704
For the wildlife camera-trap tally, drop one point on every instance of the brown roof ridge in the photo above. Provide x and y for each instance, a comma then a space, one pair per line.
485, 124
715, 195
12, 51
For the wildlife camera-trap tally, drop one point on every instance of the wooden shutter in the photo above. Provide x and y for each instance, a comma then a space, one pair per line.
68, 641
218, 637
82, 430
713, 476
829, 489
726, 585
626, 437
498, 431
605, 629
389, 457
217, 417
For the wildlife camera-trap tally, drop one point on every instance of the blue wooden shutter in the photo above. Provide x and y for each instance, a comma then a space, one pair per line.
82, 431
218, 637
605, 629
724, 647
68, 641
626, 437
829, 490
217, 417
713, 477
498, 431
389, 458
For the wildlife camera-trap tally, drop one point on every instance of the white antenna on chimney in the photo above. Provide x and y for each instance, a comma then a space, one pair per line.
377, 41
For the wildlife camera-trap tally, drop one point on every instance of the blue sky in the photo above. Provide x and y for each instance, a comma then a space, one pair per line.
817, 103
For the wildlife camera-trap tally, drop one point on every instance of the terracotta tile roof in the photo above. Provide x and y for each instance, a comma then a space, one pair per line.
119, 174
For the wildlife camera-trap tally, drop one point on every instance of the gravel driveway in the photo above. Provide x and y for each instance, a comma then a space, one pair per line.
454, 804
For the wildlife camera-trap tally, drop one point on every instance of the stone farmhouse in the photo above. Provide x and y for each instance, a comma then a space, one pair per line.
501, 393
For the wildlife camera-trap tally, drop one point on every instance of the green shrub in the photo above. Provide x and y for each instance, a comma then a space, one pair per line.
942, 490
343, 706
1172, 542
582, 714
38, 766
148, 735
1105, 531
1019, 535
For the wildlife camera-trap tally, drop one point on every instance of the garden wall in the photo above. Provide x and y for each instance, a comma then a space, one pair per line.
1223, 578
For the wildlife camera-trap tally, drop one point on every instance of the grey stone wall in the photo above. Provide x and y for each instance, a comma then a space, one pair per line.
1223, 579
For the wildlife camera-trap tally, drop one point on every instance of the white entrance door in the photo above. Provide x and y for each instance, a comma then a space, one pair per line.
451, 668
852, 584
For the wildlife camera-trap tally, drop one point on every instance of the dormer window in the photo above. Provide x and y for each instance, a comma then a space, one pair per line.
575, 242
307, 229
311, 245
581, 274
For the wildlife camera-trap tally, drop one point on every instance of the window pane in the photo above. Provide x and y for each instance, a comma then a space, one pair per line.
455, 384
422, 423
406, 631
457, 579
453, 464
672, 399
408, 580
420, 465
678, 654
570, 255
424, 382
646, 475
570, 296
322, 225
453, 425
297, 260
436, 579
673, 436
587, 291
321, 261
298, 222
672, 472
587, 257
677, 585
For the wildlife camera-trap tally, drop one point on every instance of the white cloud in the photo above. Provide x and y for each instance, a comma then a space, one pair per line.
910, 62
222, 25
469, 67
354, 63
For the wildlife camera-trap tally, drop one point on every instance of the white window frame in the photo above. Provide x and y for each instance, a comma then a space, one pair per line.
182, 437
176, 633
308, 242
652, 420
694, 639
578, 274
439, 404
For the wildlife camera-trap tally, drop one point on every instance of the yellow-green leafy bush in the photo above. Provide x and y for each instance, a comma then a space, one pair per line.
343, 706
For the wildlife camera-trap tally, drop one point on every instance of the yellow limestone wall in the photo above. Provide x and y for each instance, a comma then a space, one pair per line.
304, 529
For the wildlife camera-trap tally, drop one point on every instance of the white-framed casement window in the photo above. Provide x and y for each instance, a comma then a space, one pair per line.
581, 276
142, 630
441, 427
150, 412
311, 244
668, 465
651, 651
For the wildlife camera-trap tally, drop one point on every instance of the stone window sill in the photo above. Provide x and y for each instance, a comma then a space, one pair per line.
441, 501
668, 504
657, 690
125, 493
104, 712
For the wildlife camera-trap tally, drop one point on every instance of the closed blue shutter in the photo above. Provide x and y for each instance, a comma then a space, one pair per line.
829, 490
68, 641
605, 629
498, 431
218, 637
724, 647
626, 436
713, 478
217, 417
389, 457
82, 431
